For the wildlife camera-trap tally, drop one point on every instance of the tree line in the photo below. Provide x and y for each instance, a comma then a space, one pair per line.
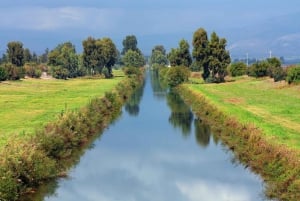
99, 56
209, 56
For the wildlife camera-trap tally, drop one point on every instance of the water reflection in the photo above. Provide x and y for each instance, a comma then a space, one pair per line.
159, 89
132, 105
181, 114
202, 132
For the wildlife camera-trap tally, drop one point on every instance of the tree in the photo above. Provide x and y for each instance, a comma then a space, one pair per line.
130, 43
237, 69
99, 53
259, 69
158, 56
15, 53
27, 55
109, 54
219, 58
159, 48
180, 56
174, 58
293, 75
275, 70
44, 56
64, 55
184, 53
133, 58
200, 51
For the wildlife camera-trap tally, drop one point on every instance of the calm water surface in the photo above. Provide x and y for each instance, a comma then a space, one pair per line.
157, 151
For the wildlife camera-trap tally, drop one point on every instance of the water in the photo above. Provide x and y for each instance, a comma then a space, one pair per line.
157, 151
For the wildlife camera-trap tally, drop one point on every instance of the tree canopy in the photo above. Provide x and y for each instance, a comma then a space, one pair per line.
211, 55
99, 53
133, 59
180, 56
15, 53
64, 56
130, 43
158, 56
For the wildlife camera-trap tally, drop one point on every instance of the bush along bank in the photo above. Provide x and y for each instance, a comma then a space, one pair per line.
278, 165
27, 163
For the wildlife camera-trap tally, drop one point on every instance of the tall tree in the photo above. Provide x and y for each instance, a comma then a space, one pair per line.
200, 51
133, 59
130, 43
89, 54
64, 55
184, 53
158, 56
110, 54
180, 56
159, 48
219, 58
27, 55
99, 53
15, 53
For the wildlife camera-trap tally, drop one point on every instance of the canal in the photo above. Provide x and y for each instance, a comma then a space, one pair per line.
157, 150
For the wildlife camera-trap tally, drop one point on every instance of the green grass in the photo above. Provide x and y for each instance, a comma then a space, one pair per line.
29, 104
273, 107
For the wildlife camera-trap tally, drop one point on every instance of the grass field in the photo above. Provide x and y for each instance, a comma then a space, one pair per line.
30, 103
272, 107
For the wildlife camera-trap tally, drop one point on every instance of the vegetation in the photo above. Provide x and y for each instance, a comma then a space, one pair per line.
133, 58
237, 69
31, 103
211, 55
278, 165
293, 75
180, 56
158, 57
271, 107
99, 53
27, 162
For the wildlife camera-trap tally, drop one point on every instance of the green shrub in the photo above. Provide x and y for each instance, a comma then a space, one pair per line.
259, 69
3, 74
278, 73
237, 69
59, 72
13, 72
32, 70
177, 75
8, 185
293, 75
129, 71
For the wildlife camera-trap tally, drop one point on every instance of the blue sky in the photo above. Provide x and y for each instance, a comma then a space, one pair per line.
253, 27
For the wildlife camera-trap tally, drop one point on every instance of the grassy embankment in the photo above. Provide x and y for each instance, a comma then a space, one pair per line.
272, 107
259, 120
30, 159
29, 104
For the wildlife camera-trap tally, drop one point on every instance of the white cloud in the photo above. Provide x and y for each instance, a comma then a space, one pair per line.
44, 19
199, 190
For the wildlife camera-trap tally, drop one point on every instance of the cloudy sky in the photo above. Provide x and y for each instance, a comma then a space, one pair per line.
253, 27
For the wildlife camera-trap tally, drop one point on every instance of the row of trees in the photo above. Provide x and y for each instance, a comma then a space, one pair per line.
270, 67
208, 55
98, 57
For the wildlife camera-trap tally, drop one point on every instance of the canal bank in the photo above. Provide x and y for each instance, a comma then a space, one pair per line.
27, 163
278, 165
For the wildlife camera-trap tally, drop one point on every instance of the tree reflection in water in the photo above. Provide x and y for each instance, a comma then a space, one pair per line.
202, 132
181, 115
159, 89
132, 105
